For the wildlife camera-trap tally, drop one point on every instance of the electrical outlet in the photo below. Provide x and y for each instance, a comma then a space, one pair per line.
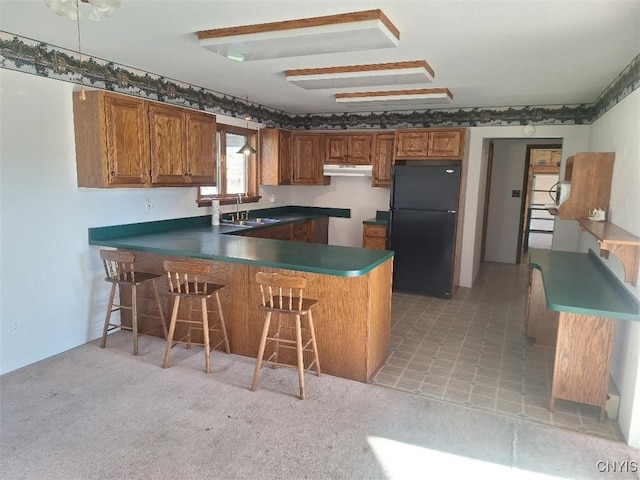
148, 203
14, 328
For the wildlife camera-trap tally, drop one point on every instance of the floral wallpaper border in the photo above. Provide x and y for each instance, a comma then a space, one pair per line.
38, 58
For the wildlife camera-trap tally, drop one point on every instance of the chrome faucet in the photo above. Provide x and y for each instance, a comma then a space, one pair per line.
238, 202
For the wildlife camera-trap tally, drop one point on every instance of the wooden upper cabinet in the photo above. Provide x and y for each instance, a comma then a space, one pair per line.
383, 151
412, 144
348, 148
123, 141
590, 176
275, 157
168, 146
112, 142
183, 146
430, 144
306, 164
201, 148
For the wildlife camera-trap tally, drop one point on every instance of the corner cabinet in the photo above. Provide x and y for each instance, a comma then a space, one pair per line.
425, 144
128, 142
305, 160
275, 157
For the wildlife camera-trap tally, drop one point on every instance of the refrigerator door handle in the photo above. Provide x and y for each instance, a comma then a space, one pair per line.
452, 211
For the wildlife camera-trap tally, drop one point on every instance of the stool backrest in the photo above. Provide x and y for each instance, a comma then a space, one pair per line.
281, 291
186, 277
118, 265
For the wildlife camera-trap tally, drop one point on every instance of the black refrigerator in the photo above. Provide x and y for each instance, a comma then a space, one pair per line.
423, 219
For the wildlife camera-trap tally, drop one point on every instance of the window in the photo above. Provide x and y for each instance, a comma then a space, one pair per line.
237, 173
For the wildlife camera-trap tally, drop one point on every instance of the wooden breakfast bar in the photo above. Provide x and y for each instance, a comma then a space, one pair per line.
353, 285
573, 303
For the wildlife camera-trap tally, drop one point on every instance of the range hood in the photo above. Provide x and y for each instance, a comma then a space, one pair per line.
340, 170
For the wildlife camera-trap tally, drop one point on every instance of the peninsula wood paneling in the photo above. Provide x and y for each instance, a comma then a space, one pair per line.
583, 360
352, 317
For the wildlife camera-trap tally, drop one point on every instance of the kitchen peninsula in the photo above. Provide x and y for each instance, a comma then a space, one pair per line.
353, 285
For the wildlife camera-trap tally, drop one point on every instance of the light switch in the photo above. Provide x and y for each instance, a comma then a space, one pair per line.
515, 193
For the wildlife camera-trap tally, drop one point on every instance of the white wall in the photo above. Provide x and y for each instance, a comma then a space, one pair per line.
503, 222
355, 193
51, 280
617, 131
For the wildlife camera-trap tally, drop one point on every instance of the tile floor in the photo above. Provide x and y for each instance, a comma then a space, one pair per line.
471, 350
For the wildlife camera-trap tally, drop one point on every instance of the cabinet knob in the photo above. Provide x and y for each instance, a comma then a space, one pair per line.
113, 173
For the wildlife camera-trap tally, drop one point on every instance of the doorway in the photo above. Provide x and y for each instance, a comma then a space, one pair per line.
514, 213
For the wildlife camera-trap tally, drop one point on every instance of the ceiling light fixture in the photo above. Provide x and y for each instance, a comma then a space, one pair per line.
101, 8
247, 149
422, 95
396, 73
366, 30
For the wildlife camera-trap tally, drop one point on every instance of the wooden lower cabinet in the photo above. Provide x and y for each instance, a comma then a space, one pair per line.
583, 360
310, 231
541, 323
352, 318
279, 232
374, 236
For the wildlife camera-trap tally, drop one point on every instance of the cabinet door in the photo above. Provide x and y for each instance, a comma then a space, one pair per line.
336, 148
359, 151
412, 144
125, 132
383, 159
306, 165
201, 148
275, 157
167, 127
284, 157
445, 144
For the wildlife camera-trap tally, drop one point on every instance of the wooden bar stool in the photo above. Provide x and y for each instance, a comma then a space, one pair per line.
120, 271
185, 281
282, 294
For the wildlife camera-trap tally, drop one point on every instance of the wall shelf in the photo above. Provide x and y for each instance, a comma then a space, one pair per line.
613, 239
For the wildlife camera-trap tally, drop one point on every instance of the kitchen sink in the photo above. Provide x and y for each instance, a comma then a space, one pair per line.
251, 222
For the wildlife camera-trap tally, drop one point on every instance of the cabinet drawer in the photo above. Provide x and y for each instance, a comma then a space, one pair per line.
375, 242
375, 231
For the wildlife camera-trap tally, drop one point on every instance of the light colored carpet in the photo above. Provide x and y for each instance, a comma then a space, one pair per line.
91, 413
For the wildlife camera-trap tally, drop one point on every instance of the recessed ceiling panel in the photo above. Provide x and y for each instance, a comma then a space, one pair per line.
397, 73
421, 96
347, 32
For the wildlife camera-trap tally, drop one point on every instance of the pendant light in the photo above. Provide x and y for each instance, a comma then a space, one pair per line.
247, 149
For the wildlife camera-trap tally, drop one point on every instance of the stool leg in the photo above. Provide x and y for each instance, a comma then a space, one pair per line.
205, 333
190, 317
107, 319
160, 309
134, 318
263, 341
172, 329
224, 327
300, 357
312, 331
276, 339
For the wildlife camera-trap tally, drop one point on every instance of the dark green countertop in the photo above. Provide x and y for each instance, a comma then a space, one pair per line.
580, 283
195, 237
381, 218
